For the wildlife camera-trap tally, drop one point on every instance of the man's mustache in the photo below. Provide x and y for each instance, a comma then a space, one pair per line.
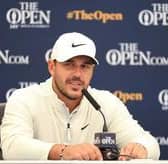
76, 79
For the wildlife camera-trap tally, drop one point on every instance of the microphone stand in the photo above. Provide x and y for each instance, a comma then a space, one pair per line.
111, 153
96, 106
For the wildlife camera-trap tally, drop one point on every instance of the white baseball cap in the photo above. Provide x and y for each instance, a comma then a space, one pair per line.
73, 44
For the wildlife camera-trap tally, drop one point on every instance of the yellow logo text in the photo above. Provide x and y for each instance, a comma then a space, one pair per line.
125, 96
97, 15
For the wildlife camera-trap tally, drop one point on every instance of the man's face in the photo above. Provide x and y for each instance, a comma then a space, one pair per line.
70, 77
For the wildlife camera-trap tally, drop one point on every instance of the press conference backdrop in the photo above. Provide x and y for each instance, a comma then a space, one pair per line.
132, 47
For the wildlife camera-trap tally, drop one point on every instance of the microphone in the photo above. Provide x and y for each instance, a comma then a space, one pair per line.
96, 106
105, 141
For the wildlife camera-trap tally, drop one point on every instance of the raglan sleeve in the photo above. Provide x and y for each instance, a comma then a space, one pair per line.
17, 139
127, 129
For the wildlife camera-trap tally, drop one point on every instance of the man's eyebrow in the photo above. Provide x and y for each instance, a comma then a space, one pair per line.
70, 60
89, 62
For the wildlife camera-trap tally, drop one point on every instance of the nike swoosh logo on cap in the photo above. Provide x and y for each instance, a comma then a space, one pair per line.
84, 127
77, 45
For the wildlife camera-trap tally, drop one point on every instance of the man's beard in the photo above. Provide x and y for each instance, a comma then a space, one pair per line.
63, 92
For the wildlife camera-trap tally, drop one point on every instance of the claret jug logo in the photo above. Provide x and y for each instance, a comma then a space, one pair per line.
155, 17
130, 54
163, 99
28, 16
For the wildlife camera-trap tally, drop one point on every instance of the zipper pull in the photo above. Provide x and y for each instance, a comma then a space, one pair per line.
68, 132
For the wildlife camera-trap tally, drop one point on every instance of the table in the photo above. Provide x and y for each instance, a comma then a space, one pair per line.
147, 161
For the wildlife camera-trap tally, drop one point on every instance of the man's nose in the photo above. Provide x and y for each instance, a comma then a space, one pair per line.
78, 71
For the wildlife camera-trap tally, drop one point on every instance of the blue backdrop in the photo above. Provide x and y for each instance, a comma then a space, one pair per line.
131, 38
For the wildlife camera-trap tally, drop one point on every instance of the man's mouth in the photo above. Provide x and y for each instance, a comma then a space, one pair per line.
76, 84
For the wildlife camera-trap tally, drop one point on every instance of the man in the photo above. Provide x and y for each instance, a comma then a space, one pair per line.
55, 121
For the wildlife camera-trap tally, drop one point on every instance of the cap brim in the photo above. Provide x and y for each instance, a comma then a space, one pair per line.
65, 57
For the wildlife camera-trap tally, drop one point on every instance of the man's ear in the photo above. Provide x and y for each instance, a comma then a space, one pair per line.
51, 66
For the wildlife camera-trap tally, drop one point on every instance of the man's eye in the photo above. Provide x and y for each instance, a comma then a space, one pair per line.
68, 64
86, 66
